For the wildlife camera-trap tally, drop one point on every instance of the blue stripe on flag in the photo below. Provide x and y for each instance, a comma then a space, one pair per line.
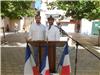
65, 52
43, 64
28, 53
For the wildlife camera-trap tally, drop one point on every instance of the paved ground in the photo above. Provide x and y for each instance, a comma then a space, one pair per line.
12, 57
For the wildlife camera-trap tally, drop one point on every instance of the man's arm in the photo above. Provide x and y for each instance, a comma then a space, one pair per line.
29, 38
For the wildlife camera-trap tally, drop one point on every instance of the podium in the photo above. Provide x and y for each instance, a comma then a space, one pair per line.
51, 51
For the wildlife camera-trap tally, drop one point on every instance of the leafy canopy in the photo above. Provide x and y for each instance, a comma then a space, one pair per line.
16, 9
79, 9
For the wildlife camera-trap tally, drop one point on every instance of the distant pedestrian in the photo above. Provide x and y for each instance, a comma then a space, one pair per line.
7, 28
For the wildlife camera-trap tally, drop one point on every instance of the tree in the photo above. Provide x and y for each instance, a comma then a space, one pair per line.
80, 9
16, 9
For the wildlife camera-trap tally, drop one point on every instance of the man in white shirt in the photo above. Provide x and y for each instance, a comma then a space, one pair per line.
37, 30
52, 32
36, 33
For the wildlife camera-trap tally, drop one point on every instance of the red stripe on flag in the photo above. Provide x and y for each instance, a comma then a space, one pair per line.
47, 72
35, 71
65, 70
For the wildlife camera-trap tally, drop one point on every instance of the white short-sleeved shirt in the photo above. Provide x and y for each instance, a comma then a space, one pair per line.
37, 32
52, 34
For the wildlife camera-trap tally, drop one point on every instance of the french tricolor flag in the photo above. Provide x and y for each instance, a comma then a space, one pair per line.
44, 66
64, 64
30, 66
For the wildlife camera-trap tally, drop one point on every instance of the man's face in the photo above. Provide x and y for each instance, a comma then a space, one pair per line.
50, 21
38, 19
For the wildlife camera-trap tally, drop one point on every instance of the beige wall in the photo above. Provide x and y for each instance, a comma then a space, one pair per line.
16, 24
27, 22
4, 23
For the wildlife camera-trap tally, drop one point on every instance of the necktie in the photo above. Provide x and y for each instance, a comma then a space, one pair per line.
49, 27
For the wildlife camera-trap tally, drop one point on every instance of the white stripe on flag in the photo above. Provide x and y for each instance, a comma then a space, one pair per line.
30, 63
28, 67
66, 60
46, 67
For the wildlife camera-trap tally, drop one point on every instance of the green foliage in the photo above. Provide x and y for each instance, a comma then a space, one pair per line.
80, 9
16, 9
